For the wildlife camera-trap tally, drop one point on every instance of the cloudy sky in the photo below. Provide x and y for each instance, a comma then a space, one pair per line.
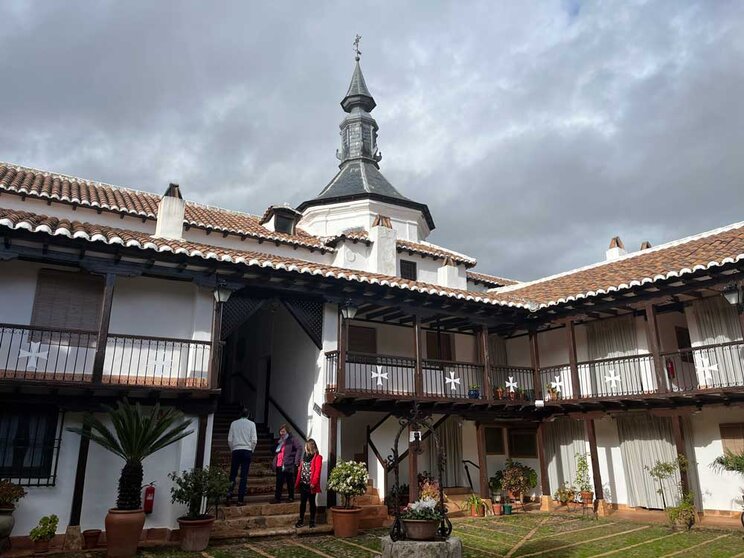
535, 131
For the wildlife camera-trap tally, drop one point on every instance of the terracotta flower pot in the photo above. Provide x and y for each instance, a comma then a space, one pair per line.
41, 547
498, 509
123, 530
195, 533
587, 497
421, 529
346, 522
7, 521
91, 537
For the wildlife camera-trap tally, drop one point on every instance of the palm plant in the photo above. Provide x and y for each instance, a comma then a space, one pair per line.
135, 435
730, 461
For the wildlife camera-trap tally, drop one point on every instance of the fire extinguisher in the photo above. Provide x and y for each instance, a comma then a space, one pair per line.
671, 372
149, 499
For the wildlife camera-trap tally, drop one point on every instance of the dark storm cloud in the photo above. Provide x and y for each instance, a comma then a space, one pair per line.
534, 131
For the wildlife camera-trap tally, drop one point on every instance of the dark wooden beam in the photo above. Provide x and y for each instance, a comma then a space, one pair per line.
482, 461
594, 455
654, 346
215, 346
332, 456
343, 341
679, 442
418, 371
201, 440
544, 479
486, 360
572, 360
104, 318
79, 488
535, 364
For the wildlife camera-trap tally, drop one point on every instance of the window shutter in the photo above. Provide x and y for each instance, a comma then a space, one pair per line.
440, 346
362, 339
67, 300
732, 437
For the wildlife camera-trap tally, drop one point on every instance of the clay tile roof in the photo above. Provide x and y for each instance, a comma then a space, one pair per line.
77, 191
490, 280
42, 224
699, 252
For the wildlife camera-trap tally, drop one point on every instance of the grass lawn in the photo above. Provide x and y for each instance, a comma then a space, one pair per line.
524, 535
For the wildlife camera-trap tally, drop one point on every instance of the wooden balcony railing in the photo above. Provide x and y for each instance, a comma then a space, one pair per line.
719, 366
47, 354
396, 376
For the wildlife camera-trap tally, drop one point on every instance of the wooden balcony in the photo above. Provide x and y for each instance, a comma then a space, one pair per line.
45, 355
702, 371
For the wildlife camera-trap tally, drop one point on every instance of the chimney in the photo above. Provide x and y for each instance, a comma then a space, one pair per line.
383, 254
616, 249
449, 276
645, 245
171, 211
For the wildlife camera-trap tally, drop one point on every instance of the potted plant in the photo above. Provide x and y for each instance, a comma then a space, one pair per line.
349, 479
565, 494
499, 392
134, 435
518, 479
10, 494
494, 484
421, 519
474, 503
43, 533
474, 391
200, 489
582, 479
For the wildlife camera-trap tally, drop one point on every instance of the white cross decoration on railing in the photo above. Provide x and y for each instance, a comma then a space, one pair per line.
162, 363
557, 385
511, 384
452, 381
379, 375
33, 355
707, 368
612, 379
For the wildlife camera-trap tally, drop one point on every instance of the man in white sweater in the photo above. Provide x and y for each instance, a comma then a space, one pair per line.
242, 439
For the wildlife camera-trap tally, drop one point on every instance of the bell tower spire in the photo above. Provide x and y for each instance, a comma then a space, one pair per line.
358, 129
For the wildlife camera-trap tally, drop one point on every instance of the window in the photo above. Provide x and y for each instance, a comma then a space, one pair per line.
68, 301
283, 224
683, 342
408, 270
494, 440
440, 346
732, 437
29, 444
522, 443
362, 339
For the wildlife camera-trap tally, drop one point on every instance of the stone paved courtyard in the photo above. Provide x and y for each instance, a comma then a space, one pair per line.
523, 535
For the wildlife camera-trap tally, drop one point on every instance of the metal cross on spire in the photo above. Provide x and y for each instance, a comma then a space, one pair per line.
356, 47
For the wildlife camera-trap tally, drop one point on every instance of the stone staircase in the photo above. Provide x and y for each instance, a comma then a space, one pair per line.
456, 497
259, 518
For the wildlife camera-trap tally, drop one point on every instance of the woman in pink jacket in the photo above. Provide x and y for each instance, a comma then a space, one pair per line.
308, 480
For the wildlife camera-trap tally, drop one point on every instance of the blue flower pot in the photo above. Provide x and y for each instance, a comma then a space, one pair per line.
474, 393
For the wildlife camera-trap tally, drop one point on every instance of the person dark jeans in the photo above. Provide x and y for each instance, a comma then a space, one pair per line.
307, 496
284, 476
240, 459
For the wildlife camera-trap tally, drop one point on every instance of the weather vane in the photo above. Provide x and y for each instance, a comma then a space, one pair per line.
356, 47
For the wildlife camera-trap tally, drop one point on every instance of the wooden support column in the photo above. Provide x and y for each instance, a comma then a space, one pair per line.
418, 371
482, 462
486, 361
104, 318
535, 362
505, 440
741, 321
201, 440
77, 492
332, 456
679, 442
594, 455
572, 360
412, 470
654, 346
343, 342
215, 363
544, 479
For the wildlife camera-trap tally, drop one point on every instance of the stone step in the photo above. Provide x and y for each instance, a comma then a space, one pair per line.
261, 508
458, 490
249, 522
272, 532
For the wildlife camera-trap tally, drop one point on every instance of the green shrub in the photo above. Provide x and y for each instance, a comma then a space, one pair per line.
684, 514
349, 479
45, 530
194, 486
